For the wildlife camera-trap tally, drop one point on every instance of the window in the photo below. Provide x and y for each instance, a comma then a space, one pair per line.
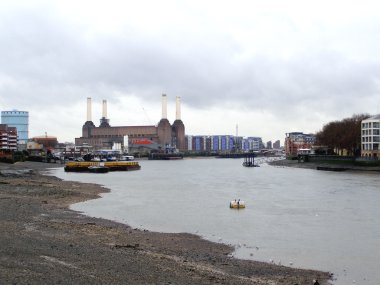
376, 125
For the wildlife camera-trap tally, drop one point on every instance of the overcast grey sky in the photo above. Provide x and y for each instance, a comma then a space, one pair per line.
269, 66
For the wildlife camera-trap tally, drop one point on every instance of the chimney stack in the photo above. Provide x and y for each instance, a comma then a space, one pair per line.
178, 108
104, 109
164, 107
89, 115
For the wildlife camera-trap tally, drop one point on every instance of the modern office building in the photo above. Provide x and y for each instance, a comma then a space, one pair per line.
223, 143
370, 133
199, 143
19, 120
252, 144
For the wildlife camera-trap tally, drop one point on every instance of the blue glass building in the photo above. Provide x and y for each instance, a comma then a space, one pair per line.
20, 120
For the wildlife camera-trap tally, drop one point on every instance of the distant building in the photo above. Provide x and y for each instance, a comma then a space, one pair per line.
8, 137
238, 143
252, 144
210, 143
298, 140
199, 143
19, 120
277, 144
370, 132
189, 142
269, 145
48, 142
222, 143
163, 134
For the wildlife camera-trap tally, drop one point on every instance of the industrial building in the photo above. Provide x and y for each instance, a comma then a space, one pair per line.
163, 135
19, 120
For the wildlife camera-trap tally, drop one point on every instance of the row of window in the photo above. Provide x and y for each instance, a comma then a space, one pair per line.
374, 146
371, 125
370, 139
371, 132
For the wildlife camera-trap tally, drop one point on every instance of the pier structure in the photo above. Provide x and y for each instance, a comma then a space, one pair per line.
249, 160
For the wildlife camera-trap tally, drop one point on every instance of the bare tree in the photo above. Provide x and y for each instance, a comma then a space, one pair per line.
343, 135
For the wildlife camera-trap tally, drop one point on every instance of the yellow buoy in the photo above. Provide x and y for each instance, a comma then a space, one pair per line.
237, 204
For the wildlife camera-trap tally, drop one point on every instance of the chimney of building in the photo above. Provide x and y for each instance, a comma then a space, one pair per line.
89, 115
178, 108
104, 113
164, 107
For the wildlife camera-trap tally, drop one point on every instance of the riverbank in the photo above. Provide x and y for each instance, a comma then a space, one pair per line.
43, 242
321, 165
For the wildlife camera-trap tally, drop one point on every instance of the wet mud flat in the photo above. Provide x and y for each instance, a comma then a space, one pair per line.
43, 242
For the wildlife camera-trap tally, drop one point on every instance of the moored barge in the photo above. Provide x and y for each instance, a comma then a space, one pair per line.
85, 166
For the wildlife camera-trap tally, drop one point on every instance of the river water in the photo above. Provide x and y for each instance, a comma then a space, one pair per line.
296, 217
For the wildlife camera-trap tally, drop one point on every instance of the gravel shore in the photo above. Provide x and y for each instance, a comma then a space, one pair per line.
43, 242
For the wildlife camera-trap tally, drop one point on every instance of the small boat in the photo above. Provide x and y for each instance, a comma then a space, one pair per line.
98, 169
127, 158
237, 204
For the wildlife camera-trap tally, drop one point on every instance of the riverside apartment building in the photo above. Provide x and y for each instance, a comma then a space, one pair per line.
370, 132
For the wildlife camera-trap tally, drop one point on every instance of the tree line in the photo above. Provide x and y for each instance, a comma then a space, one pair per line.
342, 135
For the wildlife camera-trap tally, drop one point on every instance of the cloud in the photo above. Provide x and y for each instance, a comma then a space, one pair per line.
263, 61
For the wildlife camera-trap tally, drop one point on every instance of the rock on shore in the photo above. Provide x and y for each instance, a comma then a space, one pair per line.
43, 242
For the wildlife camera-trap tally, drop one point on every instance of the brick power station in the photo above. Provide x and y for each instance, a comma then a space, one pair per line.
105, 136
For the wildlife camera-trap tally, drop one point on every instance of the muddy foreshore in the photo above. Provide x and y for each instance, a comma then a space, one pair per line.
43, 242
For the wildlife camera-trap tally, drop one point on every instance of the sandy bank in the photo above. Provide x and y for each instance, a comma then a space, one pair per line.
43, 242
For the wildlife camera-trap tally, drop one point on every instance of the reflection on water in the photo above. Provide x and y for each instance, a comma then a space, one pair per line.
296, 217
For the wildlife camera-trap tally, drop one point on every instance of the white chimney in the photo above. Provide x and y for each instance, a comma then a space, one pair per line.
164, 107
89, 115
104, 109
178, 108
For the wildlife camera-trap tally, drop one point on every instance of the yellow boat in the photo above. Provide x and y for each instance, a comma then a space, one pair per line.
83, 166
237, 204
